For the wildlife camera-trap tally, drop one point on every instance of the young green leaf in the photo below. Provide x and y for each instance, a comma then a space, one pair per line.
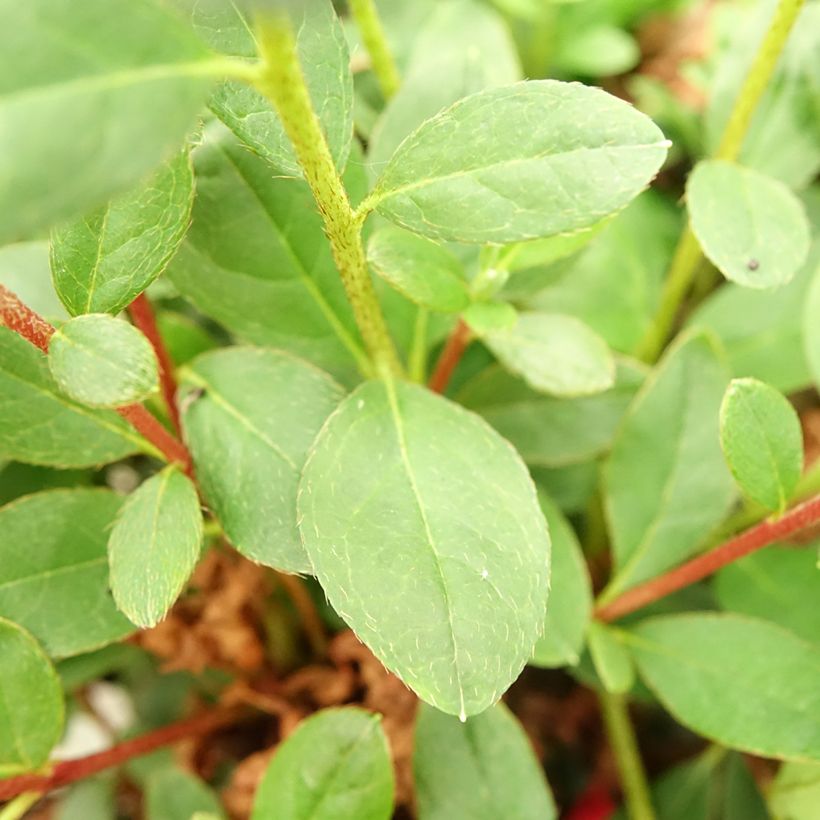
751, 227
570, 604
426, 273
57, 587
121, 86
548, 431
611, 658
502, 165
554, 354
482, 769
462, 47
335, 766
39, 425
666, 483
103, 261
762, 442
743, 682
779, 584
174, 794
31, 706
154, 546
248, 263
102, 361
423, 528
250, 415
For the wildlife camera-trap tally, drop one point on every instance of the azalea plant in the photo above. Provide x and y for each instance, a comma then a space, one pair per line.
345, 373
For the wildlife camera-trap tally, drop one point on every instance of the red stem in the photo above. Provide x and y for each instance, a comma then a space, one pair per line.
761, 535
31, 326
143, 317
450, 357
70, 771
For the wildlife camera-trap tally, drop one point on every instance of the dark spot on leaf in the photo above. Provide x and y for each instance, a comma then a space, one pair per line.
753, 264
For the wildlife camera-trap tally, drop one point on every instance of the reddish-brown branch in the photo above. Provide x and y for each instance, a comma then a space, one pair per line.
450, 357
761, 535
33, 328
70, 771
143, 317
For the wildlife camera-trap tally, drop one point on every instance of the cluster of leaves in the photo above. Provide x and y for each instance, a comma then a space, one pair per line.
139, 134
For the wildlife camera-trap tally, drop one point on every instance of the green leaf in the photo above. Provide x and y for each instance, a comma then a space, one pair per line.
92, 799
811, 327
503, 166
743, 682
102, 361
717, 785
246, 262
154, 546
762, 442
570, 603
479, 770
666, 484
794, 794
31, 702
611, 658
462, 47
174, 794
426, 273
598, 51
25, 271
57, 587
40, 425
325, 61
121, 86
779, 584
615, 283
414, 511
537, 252
106, 259
751, 227
250, 415
488, 317
335, 766
554, 354
762, 331
548, 431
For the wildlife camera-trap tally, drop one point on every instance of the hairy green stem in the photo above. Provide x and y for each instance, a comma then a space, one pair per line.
280, 78
688, 255
622, 741
375, 41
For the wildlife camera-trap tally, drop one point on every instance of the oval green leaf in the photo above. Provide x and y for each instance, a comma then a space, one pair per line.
31, 702
40, 425
743, 682
611, 658
335, 766
154, 546
102, 262
102, 361
666, 483
778, 584
423, 528
57, 587
105, 91
250, 415
175, 794
546, 430
554, 354
752, 227
425, 272
570, 604
483, 769
762, 442
520, 162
